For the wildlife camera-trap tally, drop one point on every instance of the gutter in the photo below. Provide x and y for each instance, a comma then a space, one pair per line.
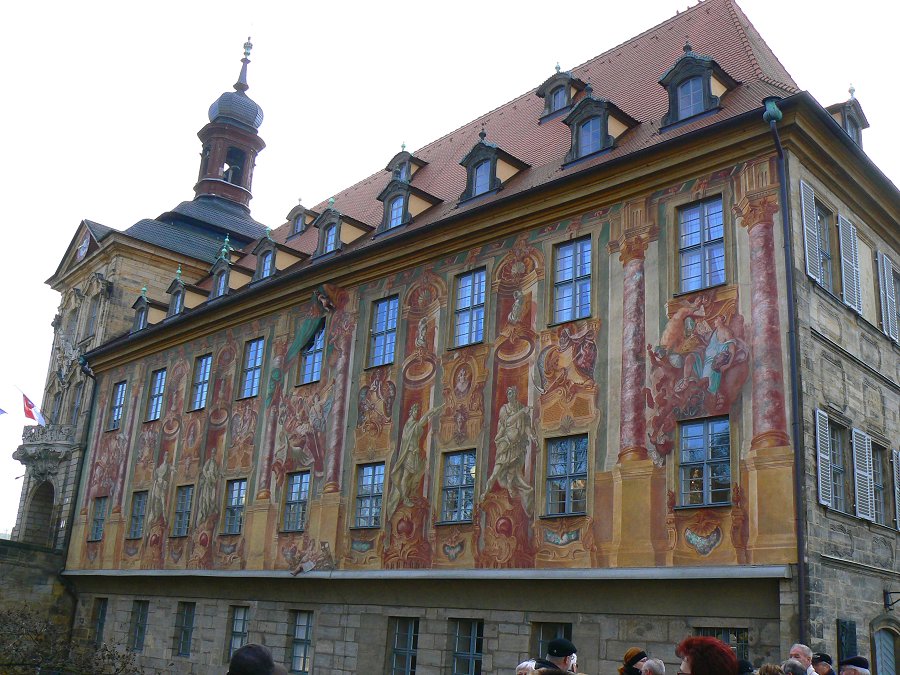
773, 115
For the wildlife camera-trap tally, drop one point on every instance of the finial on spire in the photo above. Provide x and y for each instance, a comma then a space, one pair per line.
268, 233
403, 146
482, 134
144, 292
331, 202
226, 247
178, 273
687, 45
852, 91
557, 66
241, 85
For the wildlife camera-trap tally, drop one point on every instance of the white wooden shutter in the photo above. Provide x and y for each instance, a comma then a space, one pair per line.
810, 230
823, 451
896, 462
888, 299
850, 264
862, 475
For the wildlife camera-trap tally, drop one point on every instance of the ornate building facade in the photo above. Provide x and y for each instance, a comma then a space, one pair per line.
617, 361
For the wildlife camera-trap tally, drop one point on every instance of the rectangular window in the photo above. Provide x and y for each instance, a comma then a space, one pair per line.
301, 643
238, 633
572, 280
184, 496
881, 471
92, 316
705, 462
383, 332
235, 496
98, 518
117, 406
825, 231
138, 506
369, 489
567, 475
99, 619
458, 487
701, 244
184, 628
54, 411
469, 313
404, 645
841, 475
737, 638
253, 355
544, 633
76, 403
137, 628
311, 360
468, 636
296, 498
200, 382
155, 399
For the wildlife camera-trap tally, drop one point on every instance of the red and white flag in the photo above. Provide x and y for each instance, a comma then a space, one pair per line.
33, 412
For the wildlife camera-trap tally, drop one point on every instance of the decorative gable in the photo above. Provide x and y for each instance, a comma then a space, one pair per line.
404, 165
850, 116
695, 84
265, 252
337, 229
595, 124
487, 168
558, 91
176, 292
146, 311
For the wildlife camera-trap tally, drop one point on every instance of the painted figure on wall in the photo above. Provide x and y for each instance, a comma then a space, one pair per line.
513, 440
376, 401
569, 364
409, 467
699, 367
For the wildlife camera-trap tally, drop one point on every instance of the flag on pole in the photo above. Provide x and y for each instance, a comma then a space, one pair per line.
33, 412
2, 411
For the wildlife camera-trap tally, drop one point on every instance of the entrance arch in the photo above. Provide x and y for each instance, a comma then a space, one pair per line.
39, 515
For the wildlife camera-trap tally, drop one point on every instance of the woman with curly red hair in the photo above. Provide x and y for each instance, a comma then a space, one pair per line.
706, 656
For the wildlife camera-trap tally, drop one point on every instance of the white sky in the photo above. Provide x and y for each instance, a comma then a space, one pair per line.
103, 101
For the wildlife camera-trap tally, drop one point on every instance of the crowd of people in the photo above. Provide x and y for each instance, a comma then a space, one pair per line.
699, 656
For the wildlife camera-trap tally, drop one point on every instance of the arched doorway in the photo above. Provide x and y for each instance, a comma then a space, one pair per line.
39, 515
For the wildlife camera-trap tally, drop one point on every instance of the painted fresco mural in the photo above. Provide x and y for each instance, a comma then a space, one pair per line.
505, 397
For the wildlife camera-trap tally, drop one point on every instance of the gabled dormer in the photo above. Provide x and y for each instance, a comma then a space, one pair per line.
488, 168
850, 116
146, 311
265, 252
402, 201
595, 124
176, 291
221, 272
695, 84
404, 165
300, 219
337, 229
558, 91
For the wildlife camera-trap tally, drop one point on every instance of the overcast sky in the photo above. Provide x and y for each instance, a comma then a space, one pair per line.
103, 100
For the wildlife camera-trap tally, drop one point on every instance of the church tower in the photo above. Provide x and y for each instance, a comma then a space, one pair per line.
231, 142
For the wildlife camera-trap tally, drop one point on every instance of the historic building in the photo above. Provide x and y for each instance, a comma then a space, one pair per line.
616, 361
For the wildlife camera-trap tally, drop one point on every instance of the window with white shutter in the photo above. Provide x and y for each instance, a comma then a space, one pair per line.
895, 460
810, 230
823, 452
862, 470
888, 292
850, 264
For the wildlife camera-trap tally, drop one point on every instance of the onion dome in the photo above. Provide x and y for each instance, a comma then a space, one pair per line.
236, 106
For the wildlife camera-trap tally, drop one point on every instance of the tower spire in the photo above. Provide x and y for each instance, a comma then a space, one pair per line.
241, 84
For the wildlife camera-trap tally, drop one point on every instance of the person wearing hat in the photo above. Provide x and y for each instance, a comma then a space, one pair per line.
822, 663
561, 657
855, 665
634, 658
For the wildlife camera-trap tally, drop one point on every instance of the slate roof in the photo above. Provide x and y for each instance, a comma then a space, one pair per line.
627, 75
181, 238
97, 230
221, 213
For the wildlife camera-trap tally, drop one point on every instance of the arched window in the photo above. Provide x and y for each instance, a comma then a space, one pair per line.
234, 166
265, 265
57, 402
330, 238
558, 98
221, 287
177, 303
396, 215
403, 171
690, 98
482, 181
589, 136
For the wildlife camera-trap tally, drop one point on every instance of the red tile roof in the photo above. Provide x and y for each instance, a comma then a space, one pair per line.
627, 75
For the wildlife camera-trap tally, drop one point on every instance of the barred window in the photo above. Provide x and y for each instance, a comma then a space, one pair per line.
184, 495
369, 491
296, 500
155, 399
238, 624
137, 628
138, 506
117, 406
98, 518
567, 475
572, 280
184, 628
737, 638
467, 646
235, 495
404, 645
99, 619
301, 643
200, 384
458, 489
545, 632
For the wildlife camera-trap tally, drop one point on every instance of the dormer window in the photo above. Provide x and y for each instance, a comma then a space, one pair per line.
266, 264
395, 218
854, 130
595, 123
695, 84
403, 171
220, 285
482, 180
850, 116
297, 225
140, 318
690, 98
329, 238
558, 91
487, 168
177, 303
142, 308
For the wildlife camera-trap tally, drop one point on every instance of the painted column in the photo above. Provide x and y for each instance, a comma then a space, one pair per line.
633, 424
334, 441
769, 416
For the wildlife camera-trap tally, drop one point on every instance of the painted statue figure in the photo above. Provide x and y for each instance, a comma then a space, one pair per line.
156, 499
209, 477
410, 465
514, 434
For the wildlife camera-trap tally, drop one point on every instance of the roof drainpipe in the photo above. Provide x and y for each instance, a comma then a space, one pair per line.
773, 115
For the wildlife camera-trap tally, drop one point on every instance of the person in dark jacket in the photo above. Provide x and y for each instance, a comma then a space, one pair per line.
823, 663
561, 657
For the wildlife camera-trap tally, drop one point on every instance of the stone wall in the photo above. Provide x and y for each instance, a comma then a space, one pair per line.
29, 575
